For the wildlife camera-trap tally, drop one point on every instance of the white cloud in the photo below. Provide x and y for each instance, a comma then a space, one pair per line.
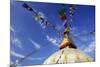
17, 54
90, 47
73, 28
37, 46
75, 31
22, 56
16, 42
38, 58
11, 62
59, 27
12, 29
54, 41
51, 39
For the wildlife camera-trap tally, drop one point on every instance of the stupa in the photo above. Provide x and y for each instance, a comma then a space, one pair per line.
68, 52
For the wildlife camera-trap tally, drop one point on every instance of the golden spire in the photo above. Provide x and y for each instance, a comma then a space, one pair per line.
67, 41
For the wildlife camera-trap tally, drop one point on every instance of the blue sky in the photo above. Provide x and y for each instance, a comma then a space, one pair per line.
28, 35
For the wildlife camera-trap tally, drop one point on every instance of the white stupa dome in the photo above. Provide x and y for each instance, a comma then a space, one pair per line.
68, 55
